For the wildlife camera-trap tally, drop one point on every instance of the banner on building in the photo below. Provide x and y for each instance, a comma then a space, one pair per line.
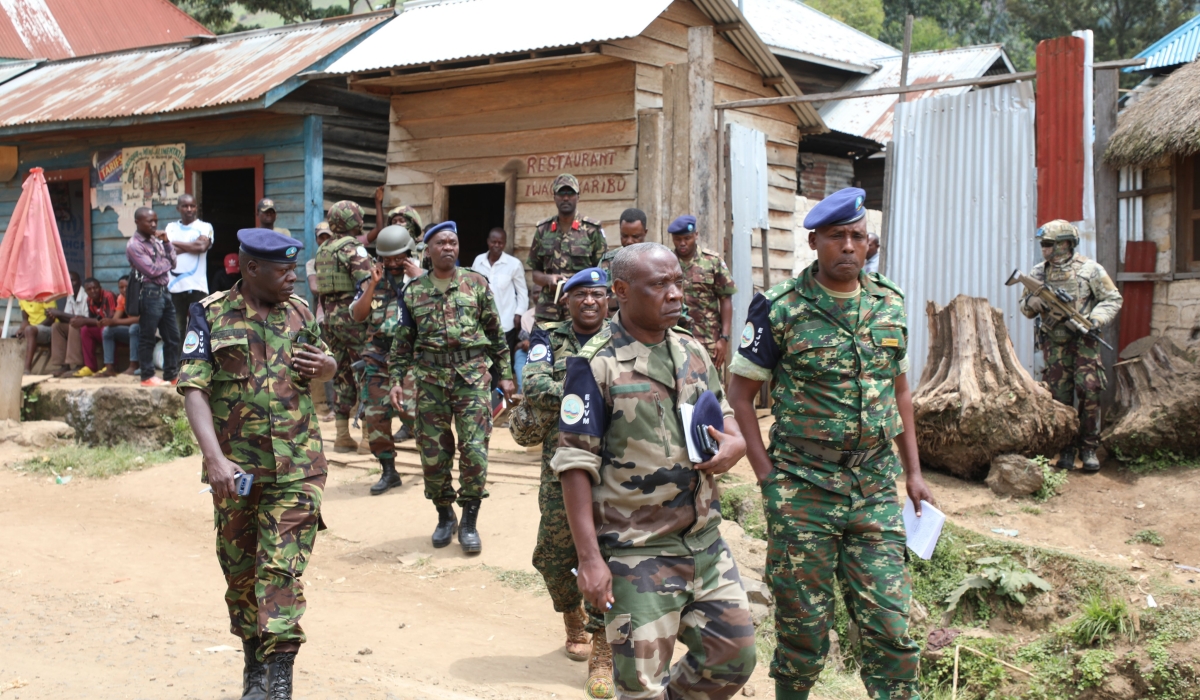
152, 175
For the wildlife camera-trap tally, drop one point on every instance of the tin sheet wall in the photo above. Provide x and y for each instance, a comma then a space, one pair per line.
748, 174
963, 207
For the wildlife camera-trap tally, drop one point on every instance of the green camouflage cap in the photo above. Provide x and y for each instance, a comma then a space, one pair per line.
1058, 230
565, 180
345, 216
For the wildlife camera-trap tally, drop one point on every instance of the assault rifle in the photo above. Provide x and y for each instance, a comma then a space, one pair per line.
1060, 306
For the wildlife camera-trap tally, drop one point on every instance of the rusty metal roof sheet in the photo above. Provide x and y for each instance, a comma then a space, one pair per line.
231, 69
798, 31
57, 29
871, 117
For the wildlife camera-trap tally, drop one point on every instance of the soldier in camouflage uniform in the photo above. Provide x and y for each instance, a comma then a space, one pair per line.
633, 231
643, 517
832, 342
707, 289
342, 268
448, 334
562, 245
554, 557
250, 356
1073, 365
377, 304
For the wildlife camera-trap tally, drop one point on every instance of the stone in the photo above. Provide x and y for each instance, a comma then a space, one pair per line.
111, 412
834, 658
759, 613
1014, 475
748, 552
38, 433
758, 592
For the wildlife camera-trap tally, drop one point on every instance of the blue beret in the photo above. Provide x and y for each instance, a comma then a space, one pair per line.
683, 225
591, 277
841, 207
267, 245
444, 226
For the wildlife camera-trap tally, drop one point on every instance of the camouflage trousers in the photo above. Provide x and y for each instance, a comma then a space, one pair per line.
1073, 369
467, 407
345, 339
264, 541
378, 410
554, 556
698, 600
814, 536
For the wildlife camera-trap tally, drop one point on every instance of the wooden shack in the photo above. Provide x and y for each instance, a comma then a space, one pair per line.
622, 99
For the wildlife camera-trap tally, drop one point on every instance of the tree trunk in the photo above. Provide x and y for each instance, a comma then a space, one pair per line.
1157, 401
975, 400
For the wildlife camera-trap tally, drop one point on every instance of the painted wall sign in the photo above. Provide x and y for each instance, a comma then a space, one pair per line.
564, 162
601, 184
152, 174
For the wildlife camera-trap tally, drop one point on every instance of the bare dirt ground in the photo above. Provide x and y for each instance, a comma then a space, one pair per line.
110, 588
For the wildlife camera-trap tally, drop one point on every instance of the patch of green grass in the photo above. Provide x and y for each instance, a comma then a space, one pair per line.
29, 399
92, 462
742, 503
978, 677
1157, 461
183, 441
843, 685
1100, 619
1092, 667
1146, 537
518, 579
1052, 480
1032, 510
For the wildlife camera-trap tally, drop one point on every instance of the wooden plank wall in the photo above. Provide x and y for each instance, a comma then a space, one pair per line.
665, 41
527, 130
279, 138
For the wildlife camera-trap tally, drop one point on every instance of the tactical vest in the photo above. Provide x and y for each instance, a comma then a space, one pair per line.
332, 275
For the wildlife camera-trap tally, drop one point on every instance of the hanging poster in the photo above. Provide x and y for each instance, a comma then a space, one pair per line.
106, 179
152, 175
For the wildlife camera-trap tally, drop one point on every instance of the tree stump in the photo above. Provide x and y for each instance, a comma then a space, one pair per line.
1157, 401
975, 400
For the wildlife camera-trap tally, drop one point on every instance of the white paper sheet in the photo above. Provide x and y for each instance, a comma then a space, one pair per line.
685, 413
923, 532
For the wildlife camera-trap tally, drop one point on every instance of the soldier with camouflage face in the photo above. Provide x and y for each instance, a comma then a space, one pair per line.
1073, 366
832, 342
343, 267
643, 517
562, 245
250, 356
707, 289
447, 335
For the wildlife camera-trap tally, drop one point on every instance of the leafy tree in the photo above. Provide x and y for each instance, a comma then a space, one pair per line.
218, 15
864, 15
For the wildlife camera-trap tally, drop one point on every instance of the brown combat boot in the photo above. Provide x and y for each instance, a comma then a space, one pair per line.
344, 443
364, 445
578, 647
600, 684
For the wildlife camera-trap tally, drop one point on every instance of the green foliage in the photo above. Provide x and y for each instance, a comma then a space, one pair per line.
1032, 510
29, 399
999, 575
1157, 461
742, 503
1052, 480
928, 35
1091, 667
864, 15
1100, 620
1150, 537
183, 442
978, 677
218, 15
94, 462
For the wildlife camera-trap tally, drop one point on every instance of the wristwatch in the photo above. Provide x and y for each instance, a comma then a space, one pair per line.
724, 336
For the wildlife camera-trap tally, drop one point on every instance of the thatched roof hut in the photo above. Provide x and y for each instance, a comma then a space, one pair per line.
1165, 122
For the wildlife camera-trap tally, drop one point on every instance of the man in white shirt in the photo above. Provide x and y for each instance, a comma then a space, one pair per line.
872, 264
66, 348
191, 239
506, 276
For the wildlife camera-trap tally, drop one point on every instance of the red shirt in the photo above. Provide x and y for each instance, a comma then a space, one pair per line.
105, 308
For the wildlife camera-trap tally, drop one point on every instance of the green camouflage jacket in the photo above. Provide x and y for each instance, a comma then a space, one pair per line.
830, 383
262, 409
619, 421
382, 321
563, 254
349, 258
706, 281
1088, 284
464, 318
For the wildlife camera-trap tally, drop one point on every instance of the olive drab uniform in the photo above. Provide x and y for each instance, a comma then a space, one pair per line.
563, 253
1073, 365
447, 340
657, 516
264, 419
831, 499
554, 556
373, 394
706, 280
342, 267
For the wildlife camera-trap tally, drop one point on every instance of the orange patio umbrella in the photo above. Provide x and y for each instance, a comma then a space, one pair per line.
32, 264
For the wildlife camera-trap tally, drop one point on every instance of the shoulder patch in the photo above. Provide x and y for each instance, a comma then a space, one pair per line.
215, 296
196, 340
590, 220
540, 349
300, 300
885, 282
582, 411
475, 277
780, 289
757, 343
596, 344
710, 252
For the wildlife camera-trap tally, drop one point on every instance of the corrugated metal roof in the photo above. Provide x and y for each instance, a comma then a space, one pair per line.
230, 69
11, 69
871, 117
1179, 47
58, 29
796, 30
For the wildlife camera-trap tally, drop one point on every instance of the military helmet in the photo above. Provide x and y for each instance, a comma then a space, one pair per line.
345, 216
393, 240
1058, 230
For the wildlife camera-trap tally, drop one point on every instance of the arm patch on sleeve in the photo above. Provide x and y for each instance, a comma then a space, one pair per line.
756, 343
582, 411
403, 318
539, 347
196, 341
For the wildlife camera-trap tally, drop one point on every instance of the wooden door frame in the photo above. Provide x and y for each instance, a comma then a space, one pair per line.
85, 175
444, 181
191, 166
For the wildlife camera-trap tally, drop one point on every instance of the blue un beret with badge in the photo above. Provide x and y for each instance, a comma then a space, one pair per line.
444, 226
840, 208
269, 246
591, 277
682, 225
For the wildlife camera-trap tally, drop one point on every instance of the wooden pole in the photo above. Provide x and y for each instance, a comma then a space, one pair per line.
724, 213
1106, 185
702, 175
908, 22
885, 228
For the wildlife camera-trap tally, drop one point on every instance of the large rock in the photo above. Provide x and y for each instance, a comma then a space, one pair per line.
110, 413
38, 433
1014, 475
749, 552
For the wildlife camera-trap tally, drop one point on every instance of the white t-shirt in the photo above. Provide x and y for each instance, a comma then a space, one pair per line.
191, 269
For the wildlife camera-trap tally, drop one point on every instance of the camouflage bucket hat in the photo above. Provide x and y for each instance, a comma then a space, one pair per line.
529, 426
1058, 230
412, 220
345, 216
565, 180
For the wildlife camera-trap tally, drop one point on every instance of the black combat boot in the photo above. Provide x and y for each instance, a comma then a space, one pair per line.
388, 478
1066, 460
279, 675
404, 433
1091, 463
254, 673
446, 527
468, 536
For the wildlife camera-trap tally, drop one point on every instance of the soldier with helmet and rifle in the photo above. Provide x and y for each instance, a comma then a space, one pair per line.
1072, 297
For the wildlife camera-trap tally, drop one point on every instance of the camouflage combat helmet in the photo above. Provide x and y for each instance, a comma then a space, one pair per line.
412, 220
1058, 230
345, 216
528, 425
393, 240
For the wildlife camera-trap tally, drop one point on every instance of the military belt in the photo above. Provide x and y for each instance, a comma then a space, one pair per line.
456, 357
844, 458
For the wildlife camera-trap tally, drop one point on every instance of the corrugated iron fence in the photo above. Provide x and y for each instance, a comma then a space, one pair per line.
963, 207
